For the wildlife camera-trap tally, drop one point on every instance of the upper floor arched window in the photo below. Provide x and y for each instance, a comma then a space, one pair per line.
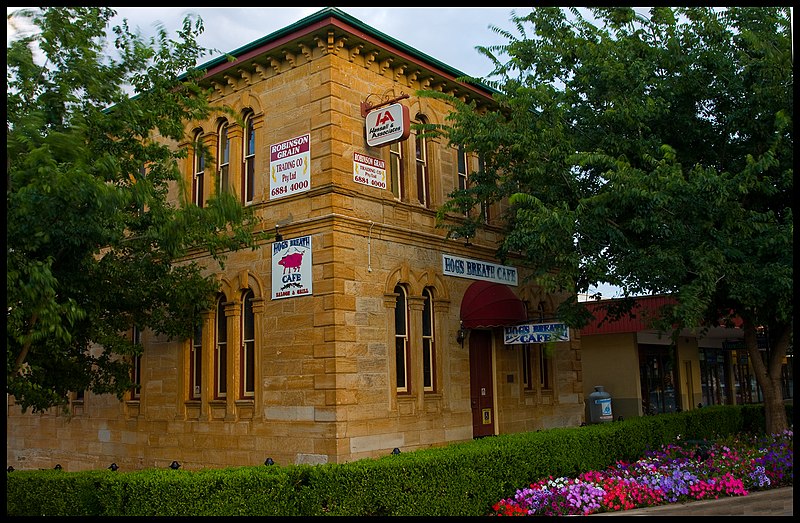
249, 159
421, 161
223, 158
198, 169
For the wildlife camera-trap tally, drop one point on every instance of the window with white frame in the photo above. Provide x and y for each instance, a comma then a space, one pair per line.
248, 348
396, 169
421, 160
428, 344
196, 364
463, 168
223, 158
221, 351
401, 339
199, 167
249, 156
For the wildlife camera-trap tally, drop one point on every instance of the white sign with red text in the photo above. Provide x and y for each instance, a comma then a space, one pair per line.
290, 167
369, 171
387, 125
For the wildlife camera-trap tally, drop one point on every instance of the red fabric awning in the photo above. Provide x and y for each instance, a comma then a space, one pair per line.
488, 304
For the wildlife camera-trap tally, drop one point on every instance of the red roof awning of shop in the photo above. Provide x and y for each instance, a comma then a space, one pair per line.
488, 304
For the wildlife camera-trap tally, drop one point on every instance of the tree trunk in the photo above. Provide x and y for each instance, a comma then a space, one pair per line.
768, 376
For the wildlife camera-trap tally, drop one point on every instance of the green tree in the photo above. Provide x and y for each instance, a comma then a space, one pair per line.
654, 153
93, 245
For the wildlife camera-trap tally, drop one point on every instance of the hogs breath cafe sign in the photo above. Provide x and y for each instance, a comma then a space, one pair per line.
291, 268
535, 333
387, 125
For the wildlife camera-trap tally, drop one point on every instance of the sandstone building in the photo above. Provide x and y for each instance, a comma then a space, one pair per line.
364, 329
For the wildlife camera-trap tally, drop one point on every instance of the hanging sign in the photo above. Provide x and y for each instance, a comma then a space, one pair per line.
387, 124
290, 166
478, 270
291, 268
369, 171
535, 333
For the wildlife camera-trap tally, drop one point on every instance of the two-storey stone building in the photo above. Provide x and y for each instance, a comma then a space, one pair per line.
361, 328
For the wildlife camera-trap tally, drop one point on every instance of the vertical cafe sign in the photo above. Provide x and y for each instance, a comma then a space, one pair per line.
290, 166
291, 268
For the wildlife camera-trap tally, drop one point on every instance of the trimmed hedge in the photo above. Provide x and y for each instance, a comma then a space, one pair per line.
462, 479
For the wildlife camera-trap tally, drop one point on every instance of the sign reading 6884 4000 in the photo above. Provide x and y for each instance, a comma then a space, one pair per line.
290, 166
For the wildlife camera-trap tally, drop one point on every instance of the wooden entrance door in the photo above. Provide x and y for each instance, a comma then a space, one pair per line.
481, 383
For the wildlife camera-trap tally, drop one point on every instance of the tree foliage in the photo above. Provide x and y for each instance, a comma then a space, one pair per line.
93, 244
654, 153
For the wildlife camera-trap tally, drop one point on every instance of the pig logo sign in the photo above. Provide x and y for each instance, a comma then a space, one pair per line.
291, 268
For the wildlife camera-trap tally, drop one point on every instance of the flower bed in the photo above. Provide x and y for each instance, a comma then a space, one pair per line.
678, 472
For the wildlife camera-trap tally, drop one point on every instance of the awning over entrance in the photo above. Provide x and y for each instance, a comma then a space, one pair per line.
489, 304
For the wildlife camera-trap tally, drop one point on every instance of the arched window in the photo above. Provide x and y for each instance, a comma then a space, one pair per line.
196, 364
463, 172
223, 158
249, 156
428, 343
421, 159
401, 339
396, 169
199, 167
221, 351
248, 348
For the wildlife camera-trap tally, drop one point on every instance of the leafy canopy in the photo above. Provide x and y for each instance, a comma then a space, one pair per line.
93, 244
654, 153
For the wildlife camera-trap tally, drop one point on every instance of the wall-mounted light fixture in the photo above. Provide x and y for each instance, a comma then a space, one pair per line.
269, 461
174, 465
462, 334
278, 235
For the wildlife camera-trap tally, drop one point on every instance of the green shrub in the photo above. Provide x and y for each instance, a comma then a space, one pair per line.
461, 479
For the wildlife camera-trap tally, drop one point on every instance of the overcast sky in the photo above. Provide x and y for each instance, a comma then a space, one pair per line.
448, 34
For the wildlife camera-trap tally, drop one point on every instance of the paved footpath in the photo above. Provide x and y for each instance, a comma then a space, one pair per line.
772, 502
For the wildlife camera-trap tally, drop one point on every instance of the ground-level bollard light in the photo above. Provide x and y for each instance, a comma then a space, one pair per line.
396, 451
175, 465
113, 467
58, 466
269, 461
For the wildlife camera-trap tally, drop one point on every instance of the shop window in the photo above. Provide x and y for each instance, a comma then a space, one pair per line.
657, 374
248, 346
714, 377
198, 167
401, 339
249, 156
223, 158
428, 343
